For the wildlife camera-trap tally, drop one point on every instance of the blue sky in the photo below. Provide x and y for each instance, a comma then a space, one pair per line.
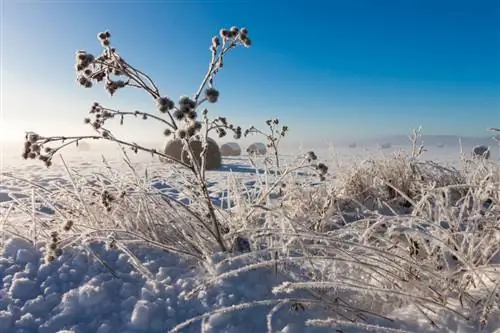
329, 69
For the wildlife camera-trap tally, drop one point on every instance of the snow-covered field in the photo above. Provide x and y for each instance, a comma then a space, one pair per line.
136, 285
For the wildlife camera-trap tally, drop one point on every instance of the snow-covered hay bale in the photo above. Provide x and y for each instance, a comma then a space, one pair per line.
257, 148
481, 151
175, 149
230, 149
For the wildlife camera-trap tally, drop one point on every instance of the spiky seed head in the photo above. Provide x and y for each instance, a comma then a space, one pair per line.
101, 35
212, 95
222, 132
312, 156
191, 115
234, 30
186, 101
81, 55
215, 41
32, 137
224, 33
178, 114
197, 125
322, 168
191, 131
35, 147
165, 104
49, 258
247, 42
181, 133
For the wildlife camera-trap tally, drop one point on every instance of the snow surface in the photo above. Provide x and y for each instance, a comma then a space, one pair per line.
77, 293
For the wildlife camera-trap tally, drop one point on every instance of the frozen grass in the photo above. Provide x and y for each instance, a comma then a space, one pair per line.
321, 256
390, 243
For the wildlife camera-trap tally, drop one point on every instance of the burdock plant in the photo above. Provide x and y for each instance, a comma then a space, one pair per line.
184, 119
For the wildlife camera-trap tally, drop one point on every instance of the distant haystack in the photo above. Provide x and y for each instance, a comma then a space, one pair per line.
175, 149
481, 151
440, 145
230, 149
353, 145
83, 146
386, 145
257, 148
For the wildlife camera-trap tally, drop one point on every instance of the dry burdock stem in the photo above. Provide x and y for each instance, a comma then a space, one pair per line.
181, 119
273, 137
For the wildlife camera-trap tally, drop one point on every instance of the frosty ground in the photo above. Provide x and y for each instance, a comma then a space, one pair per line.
93, 288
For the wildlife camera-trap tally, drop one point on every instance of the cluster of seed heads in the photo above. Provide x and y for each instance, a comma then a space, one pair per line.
53, 249
164, 104
107, 199
89, 68
272, 123
227, 39
234, 34
275, 134
185, 112
221, 126
98, 116
322, 170
33, 149
311, 156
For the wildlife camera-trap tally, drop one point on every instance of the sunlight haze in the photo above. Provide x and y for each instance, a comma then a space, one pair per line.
359, 69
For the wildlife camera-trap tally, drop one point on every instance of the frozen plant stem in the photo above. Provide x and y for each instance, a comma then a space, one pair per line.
182, 122
273, 137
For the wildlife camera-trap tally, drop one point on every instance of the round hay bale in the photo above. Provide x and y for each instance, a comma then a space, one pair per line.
83, 146
214, 158
481, 151
175, 149
230, 149
257, 148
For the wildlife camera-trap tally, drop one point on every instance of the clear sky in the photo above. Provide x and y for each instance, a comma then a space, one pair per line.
329, 69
